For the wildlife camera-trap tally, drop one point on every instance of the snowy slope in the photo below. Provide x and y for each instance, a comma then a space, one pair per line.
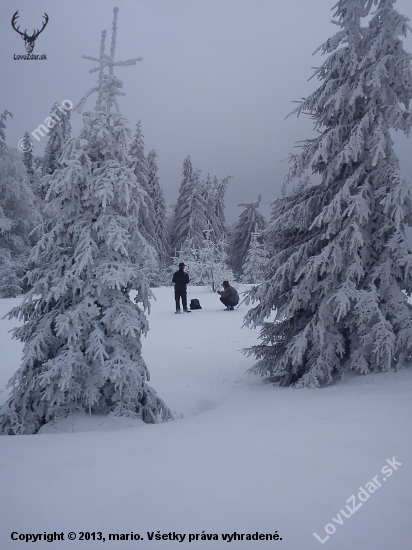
240, 456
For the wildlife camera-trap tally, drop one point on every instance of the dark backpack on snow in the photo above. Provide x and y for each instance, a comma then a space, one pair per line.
195, 304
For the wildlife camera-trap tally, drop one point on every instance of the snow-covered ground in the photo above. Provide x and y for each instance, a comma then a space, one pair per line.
241, 456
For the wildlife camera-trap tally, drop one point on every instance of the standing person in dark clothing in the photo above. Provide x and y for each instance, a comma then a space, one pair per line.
181, 280
228, 296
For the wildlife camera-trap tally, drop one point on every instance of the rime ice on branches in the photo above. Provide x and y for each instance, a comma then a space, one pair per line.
341, 266
18, 216
190, 211
250, 220
81, 330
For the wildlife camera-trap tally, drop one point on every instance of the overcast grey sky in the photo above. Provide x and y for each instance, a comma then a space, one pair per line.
217, 80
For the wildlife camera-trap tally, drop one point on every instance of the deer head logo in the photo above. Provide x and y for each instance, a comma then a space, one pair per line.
28, 40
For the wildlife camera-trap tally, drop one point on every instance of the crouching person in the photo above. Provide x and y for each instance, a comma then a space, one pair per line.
228, 296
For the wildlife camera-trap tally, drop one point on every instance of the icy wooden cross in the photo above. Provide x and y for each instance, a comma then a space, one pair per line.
108, 86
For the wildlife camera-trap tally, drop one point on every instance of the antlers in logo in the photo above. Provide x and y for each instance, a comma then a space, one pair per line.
28, 40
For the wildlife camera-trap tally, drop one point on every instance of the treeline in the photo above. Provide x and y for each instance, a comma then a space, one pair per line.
194, 229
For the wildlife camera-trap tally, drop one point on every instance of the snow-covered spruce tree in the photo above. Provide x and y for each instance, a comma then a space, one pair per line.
81, 330
36, 184
18, 217
157, 197
3, 118
179, 230
136, 153
146, 213
341, 267
214, 193
208, 190
28, 159
11, 273
60, 133
195, 213
257, 260
190, 212
34, 169
249, 220
140, 169
220, 192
